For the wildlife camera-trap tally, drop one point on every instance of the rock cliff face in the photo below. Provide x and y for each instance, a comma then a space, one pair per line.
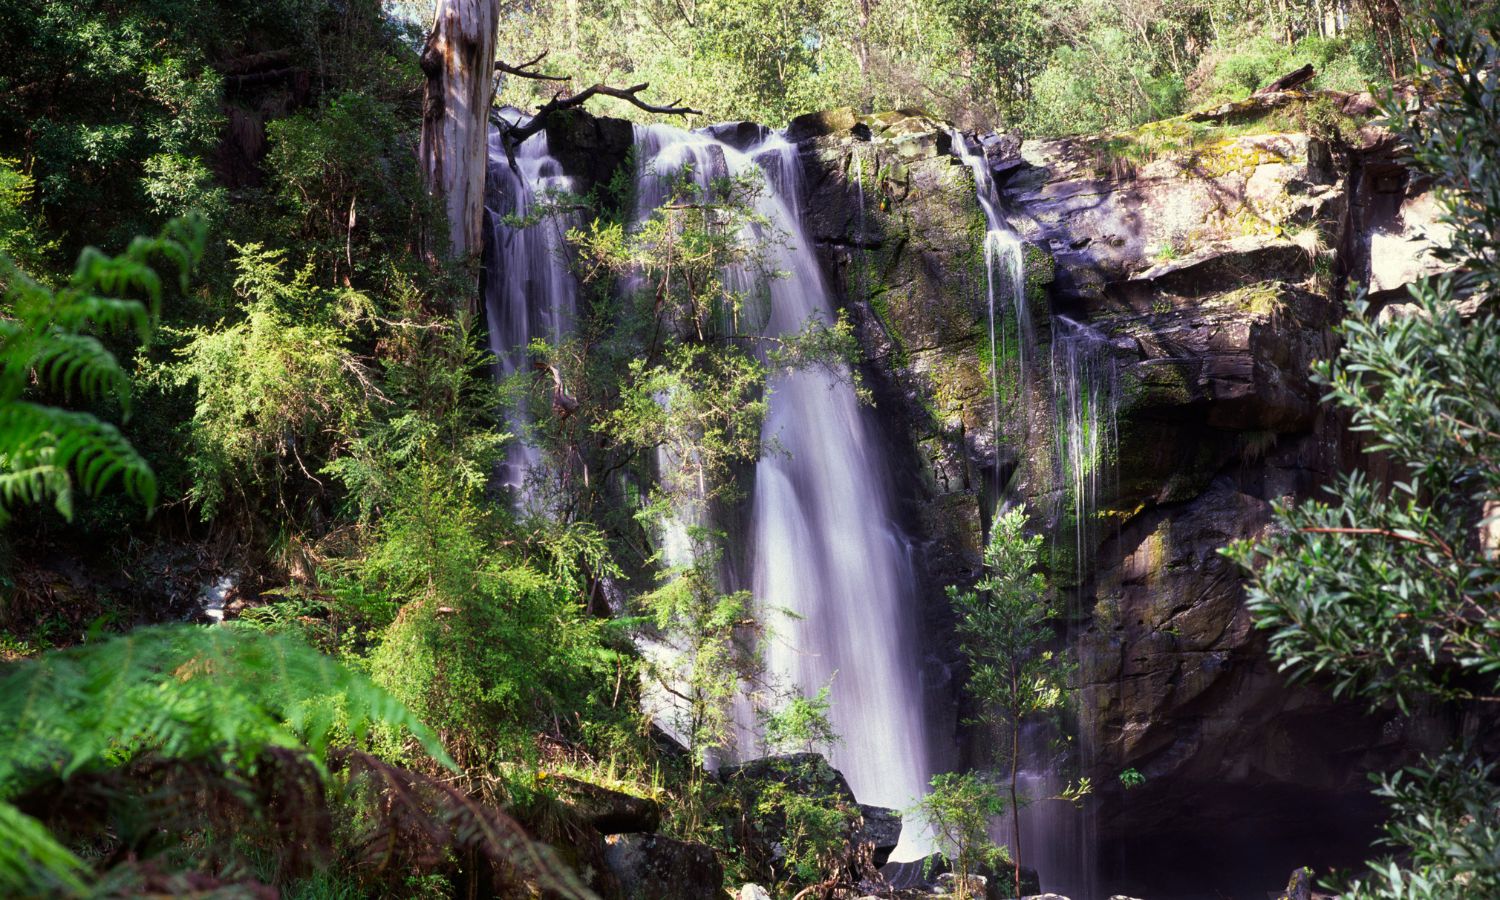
1197, 269
1148, 398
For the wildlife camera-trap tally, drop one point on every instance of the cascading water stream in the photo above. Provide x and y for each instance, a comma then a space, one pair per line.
1057, 839
824, 544
531, 292
1004, 265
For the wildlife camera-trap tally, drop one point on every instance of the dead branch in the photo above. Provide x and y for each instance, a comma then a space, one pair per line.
1290, 81
515, 134
528, 69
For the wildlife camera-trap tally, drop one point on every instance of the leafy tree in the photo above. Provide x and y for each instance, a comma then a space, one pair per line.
1004, 627
958, 810
1388, 587
45, 337
703, 657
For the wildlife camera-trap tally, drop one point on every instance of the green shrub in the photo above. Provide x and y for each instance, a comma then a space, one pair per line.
1234, 71
1106, 82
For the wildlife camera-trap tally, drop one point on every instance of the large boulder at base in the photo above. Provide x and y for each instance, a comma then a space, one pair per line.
753, 892
611, 812
653, 867
872, 828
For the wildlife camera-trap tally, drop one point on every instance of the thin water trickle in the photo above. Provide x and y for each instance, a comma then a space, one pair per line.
1004, 268
824, 544
1057, 838
1083, 379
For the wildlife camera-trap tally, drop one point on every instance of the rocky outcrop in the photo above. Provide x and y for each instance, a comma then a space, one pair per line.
608, 811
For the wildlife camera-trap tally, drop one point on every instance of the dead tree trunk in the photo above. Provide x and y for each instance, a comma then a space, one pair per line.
459, 62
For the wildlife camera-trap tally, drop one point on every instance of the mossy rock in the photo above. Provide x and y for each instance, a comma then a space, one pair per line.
818, 124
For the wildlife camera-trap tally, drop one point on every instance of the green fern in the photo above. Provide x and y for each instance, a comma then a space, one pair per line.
181, 692
174, 692
32, 862
44, 341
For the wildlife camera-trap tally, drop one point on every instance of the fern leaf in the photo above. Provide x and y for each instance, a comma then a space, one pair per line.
32, 862
39, 439
67, 362
181, 692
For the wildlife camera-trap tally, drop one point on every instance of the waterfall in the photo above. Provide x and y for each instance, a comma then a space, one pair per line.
531, 293
1057, 839
1004, 265
824, 545
1084, 384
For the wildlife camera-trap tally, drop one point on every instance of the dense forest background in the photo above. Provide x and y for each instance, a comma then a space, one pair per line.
1039, 67
300, 432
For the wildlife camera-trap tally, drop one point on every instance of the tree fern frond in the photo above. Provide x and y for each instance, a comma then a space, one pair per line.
76, 310
32, 436
32, 862
68, 362
418, 818
41, 335
184, 691
34, 484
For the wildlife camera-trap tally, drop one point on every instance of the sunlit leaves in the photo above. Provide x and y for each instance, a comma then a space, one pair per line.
46, 452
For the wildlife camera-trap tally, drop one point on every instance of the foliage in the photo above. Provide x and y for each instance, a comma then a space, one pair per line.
1447, 816
1004, 627
802, 723
1455, 137
223, 694
45, 336
1385, 589
1063, 67
330, 167
958, 810
20, 237
1104, 83
491, 666
1388, 587
1131, 778
700, 407
704, 652
270, 388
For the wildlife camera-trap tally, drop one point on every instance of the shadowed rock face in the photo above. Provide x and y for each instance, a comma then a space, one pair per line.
1213, 277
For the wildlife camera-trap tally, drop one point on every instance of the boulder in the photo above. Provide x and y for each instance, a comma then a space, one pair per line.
817, 124
739, 135
655, 867
880, 829
872, 829
753, 892
609, 811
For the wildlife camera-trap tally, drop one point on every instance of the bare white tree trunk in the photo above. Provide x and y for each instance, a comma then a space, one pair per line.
459, 62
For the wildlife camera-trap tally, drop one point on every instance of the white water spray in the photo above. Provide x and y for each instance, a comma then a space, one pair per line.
533, 294
824, 544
